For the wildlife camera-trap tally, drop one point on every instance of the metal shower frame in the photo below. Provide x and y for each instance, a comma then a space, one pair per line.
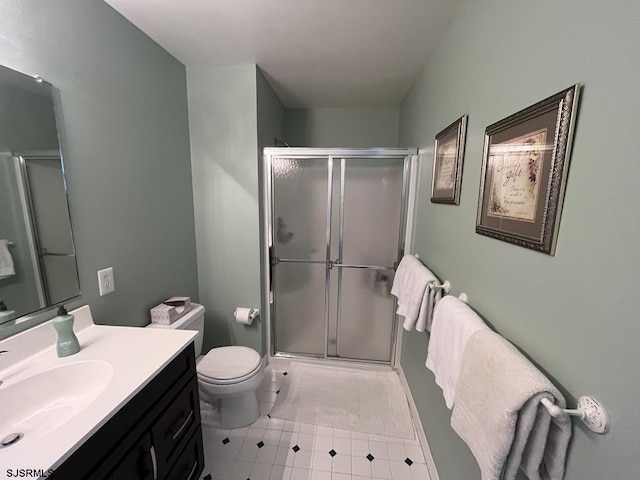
268, 212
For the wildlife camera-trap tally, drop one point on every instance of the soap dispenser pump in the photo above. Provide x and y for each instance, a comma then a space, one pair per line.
67, 341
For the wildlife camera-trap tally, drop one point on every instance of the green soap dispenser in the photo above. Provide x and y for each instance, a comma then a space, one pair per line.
67, 341
6, 315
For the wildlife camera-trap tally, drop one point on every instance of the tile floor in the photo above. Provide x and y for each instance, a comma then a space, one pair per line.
276, 449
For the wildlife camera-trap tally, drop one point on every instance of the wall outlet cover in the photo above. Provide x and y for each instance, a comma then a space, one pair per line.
106, 282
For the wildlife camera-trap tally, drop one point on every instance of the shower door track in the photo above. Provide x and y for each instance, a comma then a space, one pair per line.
272, 261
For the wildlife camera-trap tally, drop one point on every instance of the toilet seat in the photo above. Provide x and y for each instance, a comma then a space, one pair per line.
228, 365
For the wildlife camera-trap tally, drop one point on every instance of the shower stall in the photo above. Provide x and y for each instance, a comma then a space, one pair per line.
336, 223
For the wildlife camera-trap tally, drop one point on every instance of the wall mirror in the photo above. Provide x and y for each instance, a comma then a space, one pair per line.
37, 254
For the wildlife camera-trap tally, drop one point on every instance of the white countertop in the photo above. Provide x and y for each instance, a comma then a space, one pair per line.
135, 354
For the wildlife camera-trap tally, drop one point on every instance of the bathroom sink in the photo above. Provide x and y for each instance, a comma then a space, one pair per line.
38, 404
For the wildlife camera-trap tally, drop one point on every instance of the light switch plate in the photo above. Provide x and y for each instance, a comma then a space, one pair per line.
106, 282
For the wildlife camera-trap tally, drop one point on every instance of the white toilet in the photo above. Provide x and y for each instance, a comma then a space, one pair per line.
227, 376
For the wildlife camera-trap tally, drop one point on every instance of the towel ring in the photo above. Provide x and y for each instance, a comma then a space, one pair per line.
589, 410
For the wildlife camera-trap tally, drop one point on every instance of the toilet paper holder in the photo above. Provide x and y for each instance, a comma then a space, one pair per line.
246, 316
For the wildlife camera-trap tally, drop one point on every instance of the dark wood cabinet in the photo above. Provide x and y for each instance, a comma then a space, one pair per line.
155, 436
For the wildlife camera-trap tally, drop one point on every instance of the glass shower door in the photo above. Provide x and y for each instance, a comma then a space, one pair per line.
368, 248
299, 254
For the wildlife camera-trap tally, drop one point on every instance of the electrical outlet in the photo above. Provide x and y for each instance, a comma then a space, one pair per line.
106, 282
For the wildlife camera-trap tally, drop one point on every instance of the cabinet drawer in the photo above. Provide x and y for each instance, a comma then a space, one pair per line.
190, 464
138, 464
176, 424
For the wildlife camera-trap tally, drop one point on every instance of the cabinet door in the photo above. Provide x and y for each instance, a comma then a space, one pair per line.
176, 424
139, 464
190, 464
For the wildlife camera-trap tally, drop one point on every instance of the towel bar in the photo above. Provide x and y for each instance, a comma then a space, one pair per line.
589, 410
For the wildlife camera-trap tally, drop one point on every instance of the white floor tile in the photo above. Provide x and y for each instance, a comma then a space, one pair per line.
319, 475
342, 445
399, 470
272, 437
288, 439
360, 466
340, 476
342, 464
414, 452
241, 470
323, 444
378, 449
300, 474
303, 459
418, 472
307, 428
261, 471
321, 461
340, 432
326, 431
280, 473
358, 477
290, 426
284, 456
305, 441
397, 451
254, 435
359, 435
261, 422
248, 453
380, 468
359, 448
266, 454
377, 438
275, 424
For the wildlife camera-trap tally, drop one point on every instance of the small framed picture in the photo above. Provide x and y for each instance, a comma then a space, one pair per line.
524, 169
448, 157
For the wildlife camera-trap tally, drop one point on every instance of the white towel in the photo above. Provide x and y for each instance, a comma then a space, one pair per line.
6, 262
453, 323
410, 286
499, 415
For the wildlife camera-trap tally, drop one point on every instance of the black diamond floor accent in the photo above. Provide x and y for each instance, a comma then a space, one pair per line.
225, 441
207, 477
408, 461
295, 448
284, 373
370, 457
332, 453
277, 392
260, 444
268, 415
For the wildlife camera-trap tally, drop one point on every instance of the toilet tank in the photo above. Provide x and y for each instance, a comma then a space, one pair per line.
192, 320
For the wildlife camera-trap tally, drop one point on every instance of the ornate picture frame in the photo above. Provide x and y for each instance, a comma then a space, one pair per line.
448, 157
524, 170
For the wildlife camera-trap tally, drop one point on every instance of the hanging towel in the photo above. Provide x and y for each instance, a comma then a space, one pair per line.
499, 416
453, 324
410, 287
6, 262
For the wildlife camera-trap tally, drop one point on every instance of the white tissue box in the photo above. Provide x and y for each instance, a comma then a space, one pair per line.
170, 310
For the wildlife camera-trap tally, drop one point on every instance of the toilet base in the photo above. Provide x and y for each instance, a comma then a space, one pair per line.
230, 412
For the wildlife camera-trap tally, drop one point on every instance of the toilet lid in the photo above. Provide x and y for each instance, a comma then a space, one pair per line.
228, 363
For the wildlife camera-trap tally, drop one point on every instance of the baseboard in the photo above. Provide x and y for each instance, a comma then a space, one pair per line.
431, 466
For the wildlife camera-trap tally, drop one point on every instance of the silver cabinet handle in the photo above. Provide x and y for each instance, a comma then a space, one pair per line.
193, 470
183, 426
154, 462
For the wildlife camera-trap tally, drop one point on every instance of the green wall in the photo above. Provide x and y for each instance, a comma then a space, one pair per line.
271, 116
124, 131
342, 127
224, 136
575, 314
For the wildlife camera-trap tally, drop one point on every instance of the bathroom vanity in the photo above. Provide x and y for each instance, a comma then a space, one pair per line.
125, 407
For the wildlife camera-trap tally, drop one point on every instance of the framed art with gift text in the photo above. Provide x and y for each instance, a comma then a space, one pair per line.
524, 170
448, 157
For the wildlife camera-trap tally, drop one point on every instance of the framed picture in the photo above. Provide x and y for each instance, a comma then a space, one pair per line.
524, 169
448, 156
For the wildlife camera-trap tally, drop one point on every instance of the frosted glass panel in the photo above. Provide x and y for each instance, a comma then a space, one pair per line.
372, 208
366, 315
299, 308
300, 213
372, 213
300, 189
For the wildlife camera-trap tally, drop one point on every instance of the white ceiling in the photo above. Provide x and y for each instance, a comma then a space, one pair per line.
315, 53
